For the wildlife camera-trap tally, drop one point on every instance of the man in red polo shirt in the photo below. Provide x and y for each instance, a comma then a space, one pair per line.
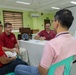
8, 39
9, 43
8, 65
46, 34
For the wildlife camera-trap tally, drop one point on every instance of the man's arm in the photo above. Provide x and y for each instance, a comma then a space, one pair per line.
6, 60
17, 46
42, 70
46, 60
7, 49
37, 37
11, 50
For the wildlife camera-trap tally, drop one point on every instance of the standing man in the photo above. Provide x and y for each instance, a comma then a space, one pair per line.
55, 50
46, 34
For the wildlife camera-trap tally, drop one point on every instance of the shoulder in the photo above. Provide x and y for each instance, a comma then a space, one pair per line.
40, 32
3, 34
12, 34
1, 51
54, 42
52, 31
43, 31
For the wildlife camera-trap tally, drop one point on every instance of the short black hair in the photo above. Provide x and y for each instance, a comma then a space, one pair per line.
6, 24
65, 17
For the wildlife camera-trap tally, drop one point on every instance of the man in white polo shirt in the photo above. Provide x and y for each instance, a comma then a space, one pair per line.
57, 49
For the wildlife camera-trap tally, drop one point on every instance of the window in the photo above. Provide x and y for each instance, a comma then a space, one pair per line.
15, 18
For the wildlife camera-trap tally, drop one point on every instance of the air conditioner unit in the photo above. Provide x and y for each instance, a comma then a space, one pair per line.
34, 15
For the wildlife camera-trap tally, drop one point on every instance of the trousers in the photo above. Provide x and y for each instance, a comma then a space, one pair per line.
26, 70
7, 68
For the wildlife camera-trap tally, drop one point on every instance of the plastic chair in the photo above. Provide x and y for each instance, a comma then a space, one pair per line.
12, 73
66, 63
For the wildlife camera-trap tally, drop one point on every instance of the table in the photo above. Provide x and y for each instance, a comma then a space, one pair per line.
35, 50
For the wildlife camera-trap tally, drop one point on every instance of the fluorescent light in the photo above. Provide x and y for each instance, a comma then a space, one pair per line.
55, 8
22, 2
73, 2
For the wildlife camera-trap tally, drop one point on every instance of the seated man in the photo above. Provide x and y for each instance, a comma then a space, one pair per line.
8, 41
8, 65
46, 34
55, 50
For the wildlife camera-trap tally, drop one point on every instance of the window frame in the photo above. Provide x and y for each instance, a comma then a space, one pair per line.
14, 15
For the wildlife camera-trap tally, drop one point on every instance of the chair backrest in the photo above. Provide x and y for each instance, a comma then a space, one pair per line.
12, 73
25, 30
66, 63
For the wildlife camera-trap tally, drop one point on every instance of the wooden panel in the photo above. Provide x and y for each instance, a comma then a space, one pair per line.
22, 31
34, 31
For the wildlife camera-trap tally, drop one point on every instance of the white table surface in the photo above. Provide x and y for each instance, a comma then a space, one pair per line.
35, 50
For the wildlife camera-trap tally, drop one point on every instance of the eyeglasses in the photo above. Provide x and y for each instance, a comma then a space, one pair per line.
8, 27
53, 20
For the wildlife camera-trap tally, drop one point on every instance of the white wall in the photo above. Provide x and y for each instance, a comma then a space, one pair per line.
73, 27
72, 30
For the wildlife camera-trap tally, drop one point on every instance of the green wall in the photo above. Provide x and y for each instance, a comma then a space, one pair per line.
28, 21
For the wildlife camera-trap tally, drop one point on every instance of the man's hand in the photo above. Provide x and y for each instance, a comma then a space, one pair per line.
13, 57
14, 50
42, 38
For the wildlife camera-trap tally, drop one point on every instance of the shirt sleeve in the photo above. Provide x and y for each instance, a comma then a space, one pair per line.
53, 34
1, 51
40, 33
47, 56
1, 40
15, 40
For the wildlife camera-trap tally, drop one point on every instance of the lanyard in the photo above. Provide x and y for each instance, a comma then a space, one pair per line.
62, 34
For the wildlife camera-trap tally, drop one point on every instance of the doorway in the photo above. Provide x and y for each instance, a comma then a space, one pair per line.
46, 21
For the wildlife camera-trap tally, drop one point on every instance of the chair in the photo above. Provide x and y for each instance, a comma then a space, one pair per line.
12, 73
66, 63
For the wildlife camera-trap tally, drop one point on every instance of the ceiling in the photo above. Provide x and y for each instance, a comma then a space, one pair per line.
36, 5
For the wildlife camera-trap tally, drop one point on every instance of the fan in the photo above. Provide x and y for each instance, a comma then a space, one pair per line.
25, 36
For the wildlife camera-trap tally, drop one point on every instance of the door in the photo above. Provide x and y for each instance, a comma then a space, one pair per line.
46, 21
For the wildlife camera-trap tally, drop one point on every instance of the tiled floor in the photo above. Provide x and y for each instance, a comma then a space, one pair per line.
73, 70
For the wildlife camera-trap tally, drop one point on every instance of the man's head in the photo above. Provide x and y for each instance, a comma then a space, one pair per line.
63, 19
47, 26
8, 27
